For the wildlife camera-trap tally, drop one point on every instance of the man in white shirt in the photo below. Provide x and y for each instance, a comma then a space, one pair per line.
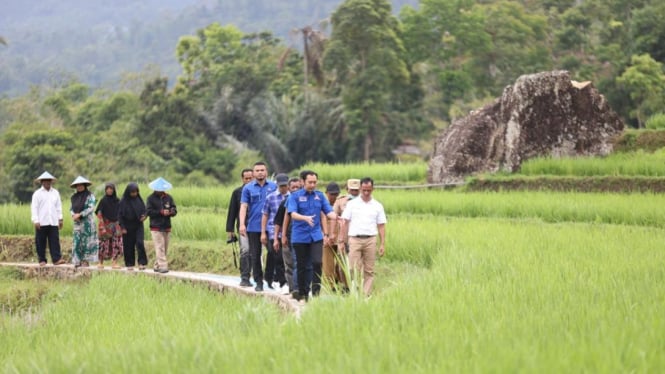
46, 211
363, 220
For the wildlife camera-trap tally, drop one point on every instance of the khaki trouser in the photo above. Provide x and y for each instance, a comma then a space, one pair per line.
362, 256
332, 271
161, 241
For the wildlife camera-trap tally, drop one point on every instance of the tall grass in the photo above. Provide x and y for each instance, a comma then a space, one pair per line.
637, 163
500, 296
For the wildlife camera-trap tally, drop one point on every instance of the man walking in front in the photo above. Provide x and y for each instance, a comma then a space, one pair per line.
251, 204
363, 219
46, 209
305, 207
233, 224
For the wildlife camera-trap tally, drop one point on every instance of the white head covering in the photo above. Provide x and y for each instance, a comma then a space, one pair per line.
45, 175
80, 180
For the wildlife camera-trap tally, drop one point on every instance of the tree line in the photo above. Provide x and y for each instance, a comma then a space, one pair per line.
355, 87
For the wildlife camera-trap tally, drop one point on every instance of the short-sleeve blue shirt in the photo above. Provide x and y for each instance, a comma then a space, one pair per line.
254, 195
307, 204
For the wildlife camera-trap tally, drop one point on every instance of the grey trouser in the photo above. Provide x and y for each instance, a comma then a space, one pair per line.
245, 264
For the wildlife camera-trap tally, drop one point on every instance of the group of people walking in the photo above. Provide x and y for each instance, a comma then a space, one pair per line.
308, 235
118, 230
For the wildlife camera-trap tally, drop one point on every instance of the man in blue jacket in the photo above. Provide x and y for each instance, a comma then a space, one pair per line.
251, 205
305, 207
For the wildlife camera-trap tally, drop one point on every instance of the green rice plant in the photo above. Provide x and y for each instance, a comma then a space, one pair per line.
500, 296
630, 209
638, 163
382, 173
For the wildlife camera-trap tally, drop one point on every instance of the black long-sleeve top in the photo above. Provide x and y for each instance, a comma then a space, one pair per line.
233, 215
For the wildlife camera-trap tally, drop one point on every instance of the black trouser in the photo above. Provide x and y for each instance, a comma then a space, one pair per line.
309, 258
131, 240
52, 234
255, 248
274, 265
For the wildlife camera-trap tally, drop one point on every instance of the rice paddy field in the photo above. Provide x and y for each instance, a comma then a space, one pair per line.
471, 282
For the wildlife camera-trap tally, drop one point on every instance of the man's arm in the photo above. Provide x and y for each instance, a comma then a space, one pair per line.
264, 225
243, 215
382, 237
232, 215
285, 228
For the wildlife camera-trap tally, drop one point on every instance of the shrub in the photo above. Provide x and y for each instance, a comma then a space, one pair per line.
656, 122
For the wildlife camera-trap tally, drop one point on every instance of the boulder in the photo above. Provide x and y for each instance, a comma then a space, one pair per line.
544, 114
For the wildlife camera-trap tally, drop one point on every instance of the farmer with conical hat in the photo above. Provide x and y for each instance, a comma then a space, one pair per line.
46, 211
86, 243
160, 208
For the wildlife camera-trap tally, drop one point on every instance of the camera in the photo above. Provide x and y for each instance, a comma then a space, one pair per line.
232, 239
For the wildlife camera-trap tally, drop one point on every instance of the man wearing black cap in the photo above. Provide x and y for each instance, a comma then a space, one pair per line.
274, 262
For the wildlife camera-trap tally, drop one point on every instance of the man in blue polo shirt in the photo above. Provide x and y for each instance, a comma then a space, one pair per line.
305, 207
251, 205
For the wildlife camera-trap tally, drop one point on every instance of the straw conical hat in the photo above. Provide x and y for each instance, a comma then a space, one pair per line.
45, 175
160, 184
80, 180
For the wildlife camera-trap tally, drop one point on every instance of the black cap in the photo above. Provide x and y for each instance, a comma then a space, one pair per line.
332, 187
282, 179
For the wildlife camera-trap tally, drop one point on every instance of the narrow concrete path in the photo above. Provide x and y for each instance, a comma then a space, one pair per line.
220, 283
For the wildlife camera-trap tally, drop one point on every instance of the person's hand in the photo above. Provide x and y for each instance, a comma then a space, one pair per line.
243, 230
142, 218
59, 224
382, 250
264, 238
76, 216
37, 225
285, 241
275, 244
124, 231
166, 212
309, 220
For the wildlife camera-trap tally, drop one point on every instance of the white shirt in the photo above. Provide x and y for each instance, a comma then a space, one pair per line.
46, 207
364, 216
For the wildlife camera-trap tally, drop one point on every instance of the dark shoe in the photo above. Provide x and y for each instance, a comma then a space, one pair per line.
85, 264
270, 285
42, 263
295, 295
162, 271
60, 262
245, 283
259, 287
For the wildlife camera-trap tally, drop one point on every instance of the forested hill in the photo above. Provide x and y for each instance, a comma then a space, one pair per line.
98, 41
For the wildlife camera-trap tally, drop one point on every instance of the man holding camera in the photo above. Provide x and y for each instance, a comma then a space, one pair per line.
233, 225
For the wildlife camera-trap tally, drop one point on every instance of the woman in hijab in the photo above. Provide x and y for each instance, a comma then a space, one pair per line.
132, 213
110, 244
86, 245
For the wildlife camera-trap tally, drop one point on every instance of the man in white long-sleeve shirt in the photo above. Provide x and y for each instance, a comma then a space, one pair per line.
46, 210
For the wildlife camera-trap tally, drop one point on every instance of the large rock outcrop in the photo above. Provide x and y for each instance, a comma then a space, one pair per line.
544, 114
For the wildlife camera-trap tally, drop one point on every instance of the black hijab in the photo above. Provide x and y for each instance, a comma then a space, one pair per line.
108, 205
132, 207
79, 198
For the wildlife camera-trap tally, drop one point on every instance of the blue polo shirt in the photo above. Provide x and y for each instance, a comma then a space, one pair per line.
307, 204
254, 195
